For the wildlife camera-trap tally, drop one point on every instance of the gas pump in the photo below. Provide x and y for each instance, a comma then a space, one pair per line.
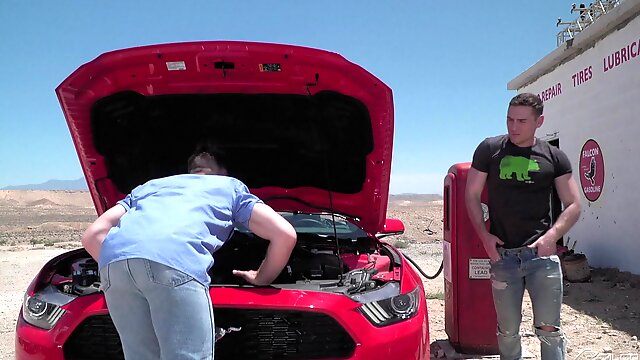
470, 316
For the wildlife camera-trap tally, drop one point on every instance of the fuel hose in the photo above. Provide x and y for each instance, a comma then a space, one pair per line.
430, 277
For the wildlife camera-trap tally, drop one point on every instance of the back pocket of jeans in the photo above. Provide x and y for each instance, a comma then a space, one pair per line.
165, 275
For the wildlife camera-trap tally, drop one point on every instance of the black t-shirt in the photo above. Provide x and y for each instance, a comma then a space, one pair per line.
519, 181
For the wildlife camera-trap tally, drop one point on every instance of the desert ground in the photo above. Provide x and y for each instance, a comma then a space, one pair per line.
601, 318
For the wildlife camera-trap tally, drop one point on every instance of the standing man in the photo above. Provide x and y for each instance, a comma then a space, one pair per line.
154, 249
521, 171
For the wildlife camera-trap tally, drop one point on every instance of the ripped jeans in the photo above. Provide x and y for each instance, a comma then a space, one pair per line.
521, 269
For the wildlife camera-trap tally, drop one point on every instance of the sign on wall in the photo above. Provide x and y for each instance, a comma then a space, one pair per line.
591, 170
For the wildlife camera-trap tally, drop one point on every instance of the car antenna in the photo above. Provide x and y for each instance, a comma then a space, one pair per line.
333, 221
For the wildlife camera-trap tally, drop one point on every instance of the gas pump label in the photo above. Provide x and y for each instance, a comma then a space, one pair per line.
479, 269
446, 257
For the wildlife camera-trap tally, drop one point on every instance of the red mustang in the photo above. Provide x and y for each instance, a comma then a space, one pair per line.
310, 133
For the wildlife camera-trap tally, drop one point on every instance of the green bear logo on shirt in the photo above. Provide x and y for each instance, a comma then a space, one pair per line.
519, 165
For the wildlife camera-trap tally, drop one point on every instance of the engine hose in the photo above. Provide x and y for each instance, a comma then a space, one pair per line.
422, 272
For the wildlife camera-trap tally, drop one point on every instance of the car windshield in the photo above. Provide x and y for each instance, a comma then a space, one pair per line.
322, 224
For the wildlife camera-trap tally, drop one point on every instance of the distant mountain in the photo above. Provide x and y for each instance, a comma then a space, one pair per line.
78, 184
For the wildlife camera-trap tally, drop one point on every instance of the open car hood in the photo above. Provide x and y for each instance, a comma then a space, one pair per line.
305, 129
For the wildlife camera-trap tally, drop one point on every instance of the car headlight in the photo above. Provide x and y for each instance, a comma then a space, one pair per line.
40, 313
392, 310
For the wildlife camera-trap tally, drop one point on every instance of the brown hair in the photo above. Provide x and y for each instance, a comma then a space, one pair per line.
528, 99
207, 156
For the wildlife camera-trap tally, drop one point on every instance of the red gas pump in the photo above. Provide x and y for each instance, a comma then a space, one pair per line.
470, 316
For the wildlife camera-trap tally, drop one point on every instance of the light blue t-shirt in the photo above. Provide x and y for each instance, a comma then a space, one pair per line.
179, 221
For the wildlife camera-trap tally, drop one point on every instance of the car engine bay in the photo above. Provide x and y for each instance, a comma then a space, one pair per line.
316, 264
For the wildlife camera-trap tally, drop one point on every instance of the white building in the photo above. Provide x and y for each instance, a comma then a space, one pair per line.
590, 86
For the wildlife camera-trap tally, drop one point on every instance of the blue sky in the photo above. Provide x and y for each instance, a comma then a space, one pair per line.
448, 63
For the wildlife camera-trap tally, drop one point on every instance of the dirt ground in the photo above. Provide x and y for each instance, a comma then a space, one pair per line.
601, 318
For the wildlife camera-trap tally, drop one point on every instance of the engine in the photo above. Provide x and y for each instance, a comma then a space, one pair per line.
303, 265
315, 264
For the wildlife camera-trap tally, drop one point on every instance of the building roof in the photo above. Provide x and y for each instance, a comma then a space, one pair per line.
613, 20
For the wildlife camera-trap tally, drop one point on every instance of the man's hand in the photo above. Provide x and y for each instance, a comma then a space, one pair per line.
249, 276
567, 189
546, 245
490, 241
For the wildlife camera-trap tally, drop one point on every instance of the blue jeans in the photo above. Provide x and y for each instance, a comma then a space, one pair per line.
159, 312
521, 269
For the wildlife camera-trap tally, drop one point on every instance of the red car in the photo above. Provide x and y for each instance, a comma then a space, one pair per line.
310, 133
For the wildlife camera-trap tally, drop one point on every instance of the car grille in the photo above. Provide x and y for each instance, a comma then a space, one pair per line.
264, 335
95, 339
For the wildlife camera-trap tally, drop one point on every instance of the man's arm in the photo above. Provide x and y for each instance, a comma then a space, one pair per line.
269, 225
569, 196
475, 184
96, 232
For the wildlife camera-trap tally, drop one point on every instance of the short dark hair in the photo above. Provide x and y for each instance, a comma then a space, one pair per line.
206, 155
528, 99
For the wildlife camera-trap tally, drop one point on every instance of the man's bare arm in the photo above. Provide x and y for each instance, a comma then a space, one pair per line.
269, 225
475, 184
95, 234
570, 197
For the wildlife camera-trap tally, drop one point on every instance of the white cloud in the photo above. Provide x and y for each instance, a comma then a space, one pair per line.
416, 183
